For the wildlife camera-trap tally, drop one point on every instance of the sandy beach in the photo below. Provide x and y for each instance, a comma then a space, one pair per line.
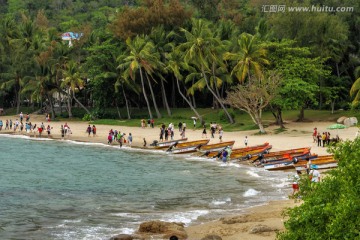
231, 227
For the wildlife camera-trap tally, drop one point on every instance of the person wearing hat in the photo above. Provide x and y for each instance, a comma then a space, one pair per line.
314, 175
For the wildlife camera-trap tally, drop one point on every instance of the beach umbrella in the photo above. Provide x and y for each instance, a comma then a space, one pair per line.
336, 126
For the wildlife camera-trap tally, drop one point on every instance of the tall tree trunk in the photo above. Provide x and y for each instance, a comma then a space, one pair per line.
117, 109
277, 113
81, 105
53, 115
144, 93
18, 99
153, 97
259, 123
165, 102
126, 103
301, 114
173, 95
231, 120
69, 103
188, 102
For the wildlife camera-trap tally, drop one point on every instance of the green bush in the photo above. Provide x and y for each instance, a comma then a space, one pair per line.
331, 208
222, 115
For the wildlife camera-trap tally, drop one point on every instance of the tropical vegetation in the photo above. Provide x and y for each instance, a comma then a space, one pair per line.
169, 54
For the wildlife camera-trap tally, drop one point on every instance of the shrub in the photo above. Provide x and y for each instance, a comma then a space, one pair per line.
222, 115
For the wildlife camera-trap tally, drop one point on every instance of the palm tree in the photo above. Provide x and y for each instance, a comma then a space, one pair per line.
249, 59
355, 88
200, 49
73, 81
175, 64
139, 58
162, 45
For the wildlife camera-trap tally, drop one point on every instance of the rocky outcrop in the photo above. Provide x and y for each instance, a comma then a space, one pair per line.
212, 237
258, 229
163, 230
122, 237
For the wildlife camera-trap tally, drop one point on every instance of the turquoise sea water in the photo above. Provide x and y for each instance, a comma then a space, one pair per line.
69, 190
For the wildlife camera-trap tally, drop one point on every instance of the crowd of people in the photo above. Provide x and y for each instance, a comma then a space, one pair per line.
117, 136
324, 138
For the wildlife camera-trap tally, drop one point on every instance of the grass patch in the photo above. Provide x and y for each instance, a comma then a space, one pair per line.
279, 130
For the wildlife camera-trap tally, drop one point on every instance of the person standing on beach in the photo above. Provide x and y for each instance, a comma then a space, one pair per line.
204, 131
21, 116
1, 125
246, 141
161, 139
295, 184
7, 125
319, 139
93, 130
144, 145
152, 123
221, 132
130, 139
88, 130
212, 129
48, 129
315, 135
314, 175
180, 126
10, 124
62, 131
194, 123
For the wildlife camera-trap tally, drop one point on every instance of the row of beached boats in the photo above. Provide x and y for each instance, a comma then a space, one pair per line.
258, 155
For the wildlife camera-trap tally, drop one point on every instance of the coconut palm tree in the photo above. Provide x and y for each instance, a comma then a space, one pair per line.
175, 64
355, 88
73, 81
200, 50
139, 58
249, 58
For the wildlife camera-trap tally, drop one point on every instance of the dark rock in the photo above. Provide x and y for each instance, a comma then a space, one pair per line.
212, 237
165, 229
261, 229
122, 237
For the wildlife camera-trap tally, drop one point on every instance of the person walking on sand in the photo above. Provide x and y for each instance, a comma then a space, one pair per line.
246, 141
62, 131
88, 130
194, 123
221, 132
48, 129
144, 145
315, 135
93, 130
130, 139
204, 131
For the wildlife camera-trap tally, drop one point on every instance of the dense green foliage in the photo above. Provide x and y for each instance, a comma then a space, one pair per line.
331, 208
168, 54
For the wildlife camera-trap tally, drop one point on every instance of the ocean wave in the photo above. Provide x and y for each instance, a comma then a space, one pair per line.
184, 217
251, 192
25, 137
221, 201
252, 173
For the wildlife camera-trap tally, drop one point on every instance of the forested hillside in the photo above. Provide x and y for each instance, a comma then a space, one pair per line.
191, 53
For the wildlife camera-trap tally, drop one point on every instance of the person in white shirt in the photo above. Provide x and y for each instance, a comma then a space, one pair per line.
315, 175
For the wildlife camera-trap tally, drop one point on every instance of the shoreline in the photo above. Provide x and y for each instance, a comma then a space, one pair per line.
297, 135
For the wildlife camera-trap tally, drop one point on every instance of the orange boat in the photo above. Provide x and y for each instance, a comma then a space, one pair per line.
249, 155
187, 147
213, 154
160, 145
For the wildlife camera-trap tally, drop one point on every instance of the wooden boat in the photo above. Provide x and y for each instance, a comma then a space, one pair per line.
281, 154
248, 155
214, 154
322, 162
205, 150
187, 147
160, 145
287, 163
319, 166
302, 162
282, 158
